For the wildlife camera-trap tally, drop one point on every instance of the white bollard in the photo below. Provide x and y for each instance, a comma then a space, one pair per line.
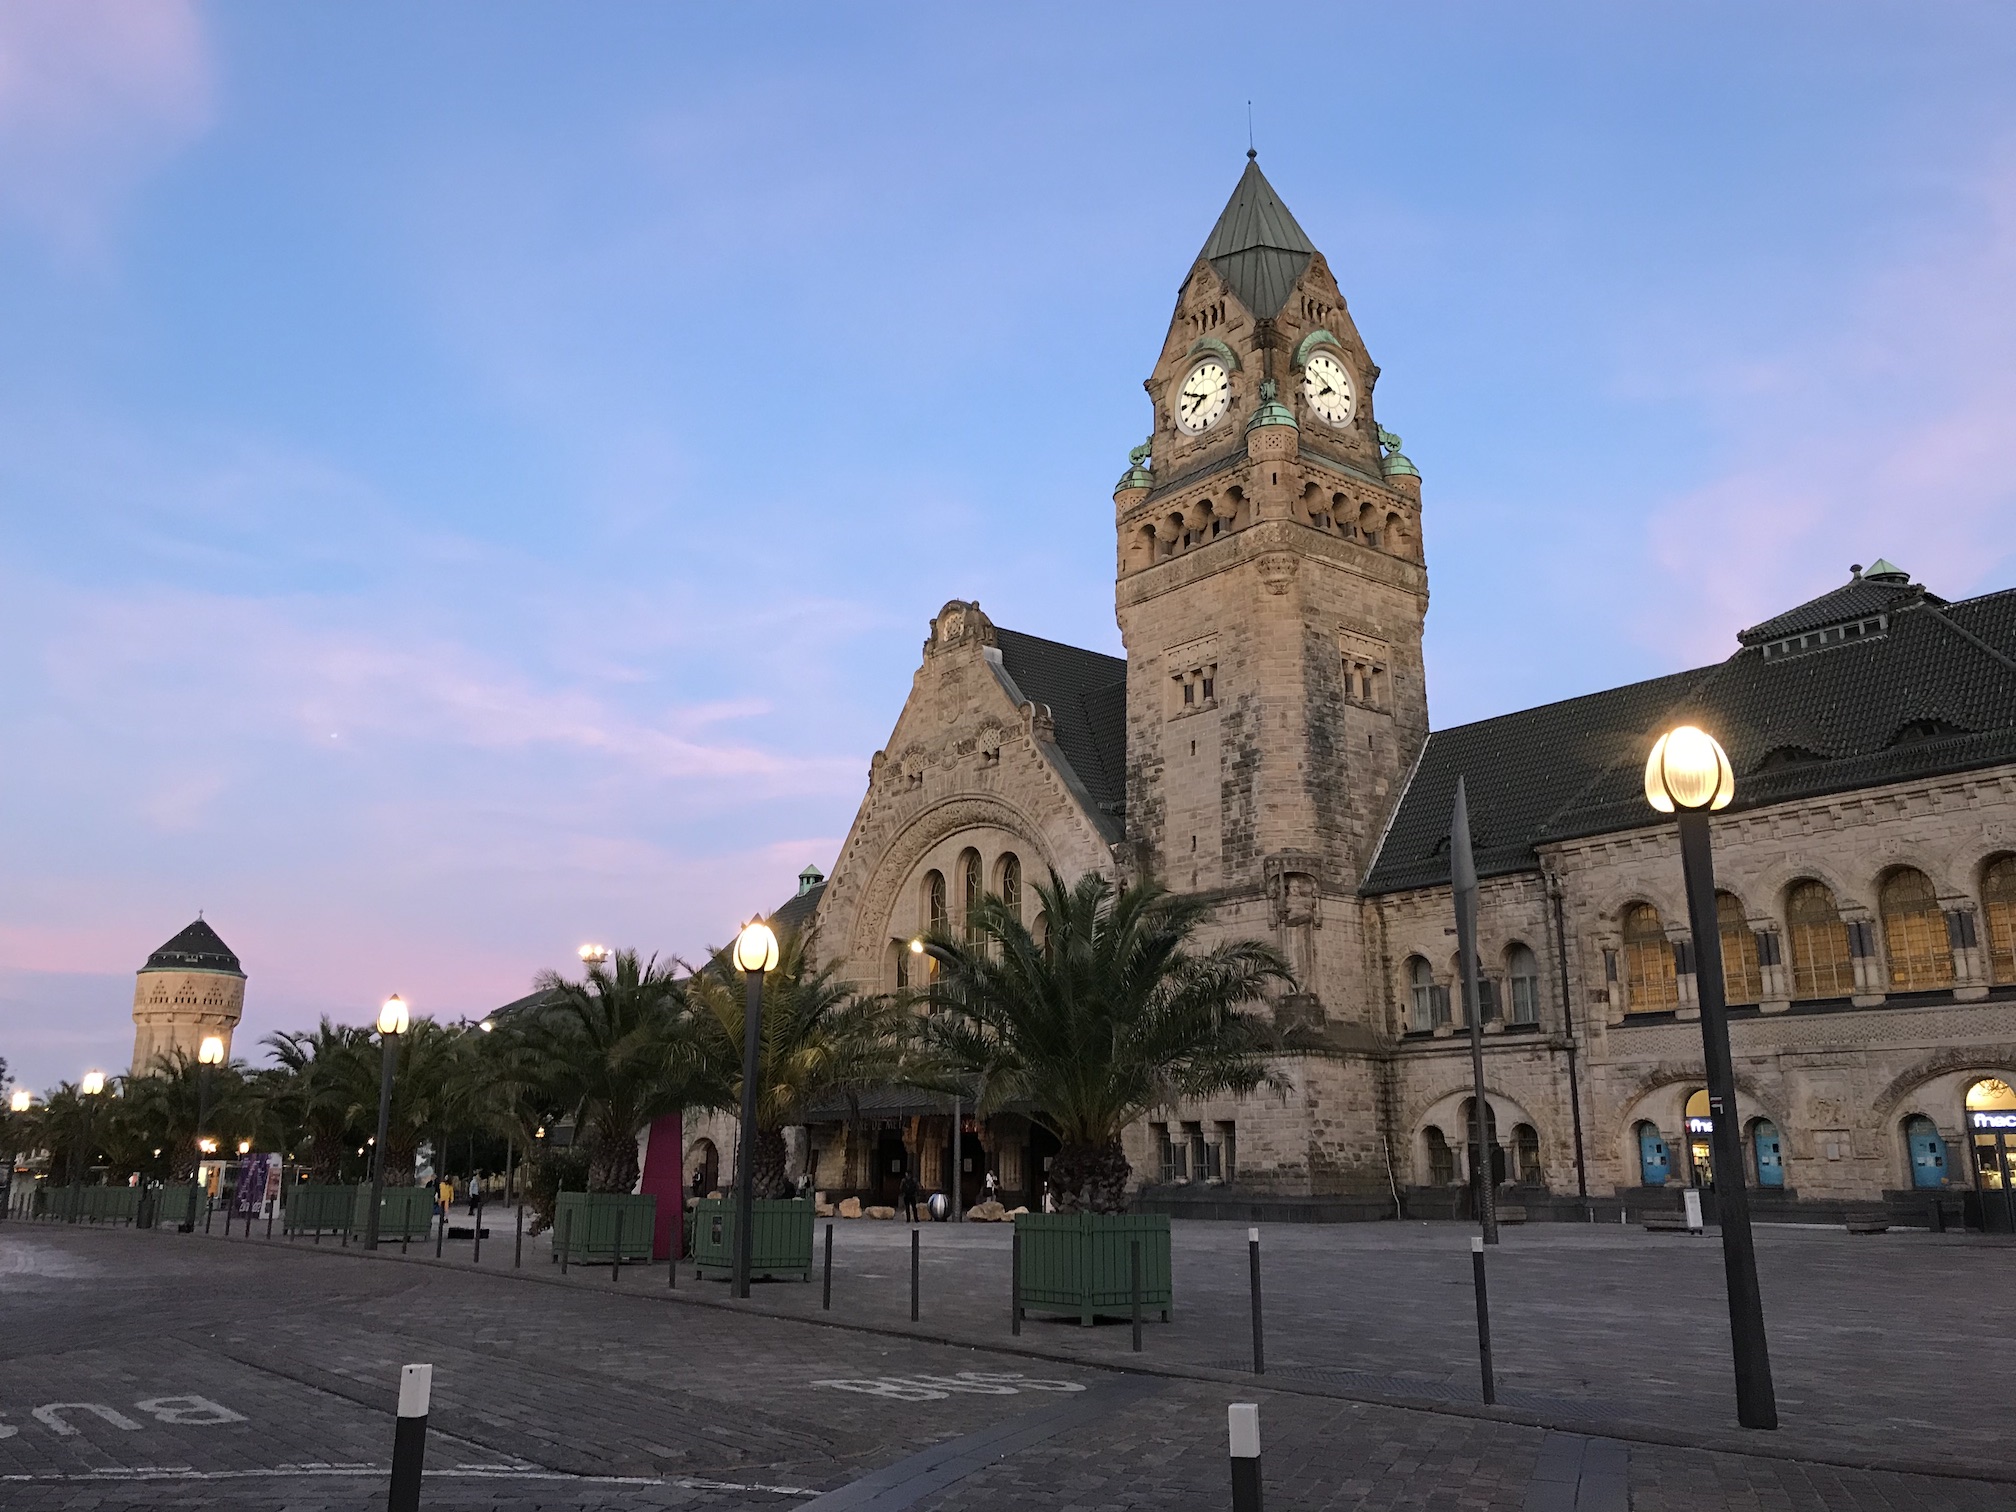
1242, 1428
409, 1439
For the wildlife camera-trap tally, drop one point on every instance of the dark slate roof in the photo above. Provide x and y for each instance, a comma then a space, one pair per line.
1858, 598
1937, 694
1256, 246
796, 912
1087, 695
196, 948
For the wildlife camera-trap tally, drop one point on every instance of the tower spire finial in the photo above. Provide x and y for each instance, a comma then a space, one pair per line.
1251, 152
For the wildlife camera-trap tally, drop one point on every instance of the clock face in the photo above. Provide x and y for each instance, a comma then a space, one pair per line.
1204, 396
1328, 389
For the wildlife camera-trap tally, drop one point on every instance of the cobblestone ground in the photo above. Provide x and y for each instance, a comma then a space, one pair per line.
144, 1370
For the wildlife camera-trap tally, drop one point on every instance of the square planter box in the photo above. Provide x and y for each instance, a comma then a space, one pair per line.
309, 1209
589, 1224
783, 1235
404, 1213
1082, 1263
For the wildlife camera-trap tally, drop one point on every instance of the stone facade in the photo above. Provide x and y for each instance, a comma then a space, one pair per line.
1271, 588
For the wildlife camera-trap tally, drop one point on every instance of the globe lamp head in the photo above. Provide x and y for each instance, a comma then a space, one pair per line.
756, 947
392, 1017
1688, 769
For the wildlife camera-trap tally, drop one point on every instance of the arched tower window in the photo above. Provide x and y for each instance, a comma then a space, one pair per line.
1998, 903
1427, 1008
1522, 972
971, 888
1820, 964
1914, 932
1742, 974
937, 915
1011, 883
1650, 984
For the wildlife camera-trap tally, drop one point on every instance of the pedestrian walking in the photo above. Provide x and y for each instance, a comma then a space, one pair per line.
991, 1188
906, 1197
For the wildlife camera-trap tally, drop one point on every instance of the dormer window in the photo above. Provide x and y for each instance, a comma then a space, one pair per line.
1827, 635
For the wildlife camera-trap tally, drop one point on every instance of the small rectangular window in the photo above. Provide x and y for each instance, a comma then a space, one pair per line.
1960, 929
1769, 948
1861, 939
1189, 693
1683, 957
1228, 1151
1210, 687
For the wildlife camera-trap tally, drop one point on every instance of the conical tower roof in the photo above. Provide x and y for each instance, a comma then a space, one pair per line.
1256, 246
196, 948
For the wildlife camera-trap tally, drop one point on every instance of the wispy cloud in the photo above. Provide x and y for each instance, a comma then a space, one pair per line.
93, 95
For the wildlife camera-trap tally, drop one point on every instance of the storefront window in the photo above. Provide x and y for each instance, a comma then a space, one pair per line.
1700, 1141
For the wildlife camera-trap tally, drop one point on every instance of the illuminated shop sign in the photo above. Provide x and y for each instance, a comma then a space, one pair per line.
1707, 1126
1993, 1120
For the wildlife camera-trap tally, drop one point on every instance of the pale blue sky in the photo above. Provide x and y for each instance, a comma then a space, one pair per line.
474, 478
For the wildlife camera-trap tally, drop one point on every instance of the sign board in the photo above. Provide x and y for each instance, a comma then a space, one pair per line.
1691, 1200
1992, 1121
1700, 1126
258, 1184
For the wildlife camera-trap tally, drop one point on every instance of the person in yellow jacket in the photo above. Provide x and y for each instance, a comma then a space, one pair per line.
444, 1195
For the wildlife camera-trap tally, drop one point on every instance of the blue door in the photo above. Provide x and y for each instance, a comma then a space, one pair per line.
1770, 1154
1652, 1161
1928, 1153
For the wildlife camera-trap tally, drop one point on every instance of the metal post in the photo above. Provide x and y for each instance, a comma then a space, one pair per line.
1756, 1401
518, 1243
1015, 1282
745, 1177
566, 1231
1253, 1268
1242, 1425
196, 1172
476, 1248
441, 1232
1568, 1029
269, 1214
672, 1265
209, 1210
958, 1160
386, 1057
616, 1255
1483, 1323
1134, 1262
826, 1285
913, 1274
1463, 881
409, 1439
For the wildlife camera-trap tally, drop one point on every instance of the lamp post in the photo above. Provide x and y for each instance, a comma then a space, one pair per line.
1463, 885
954, 1209
755, 953
391, 1024
19, 1104
209, 1053
92, 1087
1689, 773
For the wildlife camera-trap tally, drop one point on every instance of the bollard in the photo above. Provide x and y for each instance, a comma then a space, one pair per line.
476, 1246
409, 1439
1259, 1334
269, 1219
441, 1232
616, 1258
209, 1207
405, 1232
318, 1233
672, 1265
1242, 1427
1015, 1282
1938, 1214
1134, 1261
518, 1244
826, 1286
1483, 1322
566, 1233
913, 1275
345, 1232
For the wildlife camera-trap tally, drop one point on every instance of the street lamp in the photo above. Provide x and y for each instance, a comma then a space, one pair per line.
392, 1022
1689, 773
755, 953
593, 955
209, 1053
953, 1194
92, 1086
22, 1100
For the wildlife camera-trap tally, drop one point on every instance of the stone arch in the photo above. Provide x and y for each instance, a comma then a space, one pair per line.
1611, 903
1969, 1062
1765, 890
1446, 1112
1659, 1097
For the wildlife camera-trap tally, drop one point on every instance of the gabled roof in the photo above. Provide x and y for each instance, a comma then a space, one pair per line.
796, 912
1936, 694
196, 948
1256, 246
1086, 692
1879, 591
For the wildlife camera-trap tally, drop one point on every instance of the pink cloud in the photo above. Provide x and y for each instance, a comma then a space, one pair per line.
93, 94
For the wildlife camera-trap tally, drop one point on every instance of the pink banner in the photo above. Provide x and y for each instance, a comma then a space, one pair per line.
664, 1152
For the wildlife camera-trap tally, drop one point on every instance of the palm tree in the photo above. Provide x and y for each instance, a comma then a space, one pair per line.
325, 1068
1109, 1014
614, 1051
819, 1038
164, 1105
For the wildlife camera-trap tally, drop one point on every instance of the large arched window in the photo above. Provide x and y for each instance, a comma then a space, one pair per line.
1423, 996
1441, 1159
937, 912
1649, 980
1011, 883
972, 887
1914, 932
1522, 974
1820, 964
1742, 975
1998, 904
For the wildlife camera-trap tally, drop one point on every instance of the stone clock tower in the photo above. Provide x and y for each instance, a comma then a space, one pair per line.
190, 988
1271, 590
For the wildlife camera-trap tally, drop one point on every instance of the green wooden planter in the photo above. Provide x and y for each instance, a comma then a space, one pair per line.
91, 1204
1082, 1263
404, 1212
783, 1238
173, 1205
306, 1208
585, 1223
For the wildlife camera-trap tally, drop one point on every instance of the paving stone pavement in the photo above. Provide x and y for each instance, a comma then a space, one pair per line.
244, 1374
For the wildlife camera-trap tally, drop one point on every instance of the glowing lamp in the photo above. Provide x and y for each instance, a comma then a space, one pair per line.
756, 947
244, 1147
916, 947
487, 1025
93, 1083
594, 955
211, 1051
1688, 769
22, 1100
392, 1017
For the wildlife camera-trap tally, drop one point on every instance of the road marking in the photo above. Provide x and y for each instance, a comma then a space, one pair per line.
359, 1472
49, 1415
936, 1388
189, 1411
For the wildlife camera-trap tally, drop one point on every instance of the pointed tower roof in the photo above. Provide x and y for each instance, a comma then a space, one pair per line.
1256, 246
196, 948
